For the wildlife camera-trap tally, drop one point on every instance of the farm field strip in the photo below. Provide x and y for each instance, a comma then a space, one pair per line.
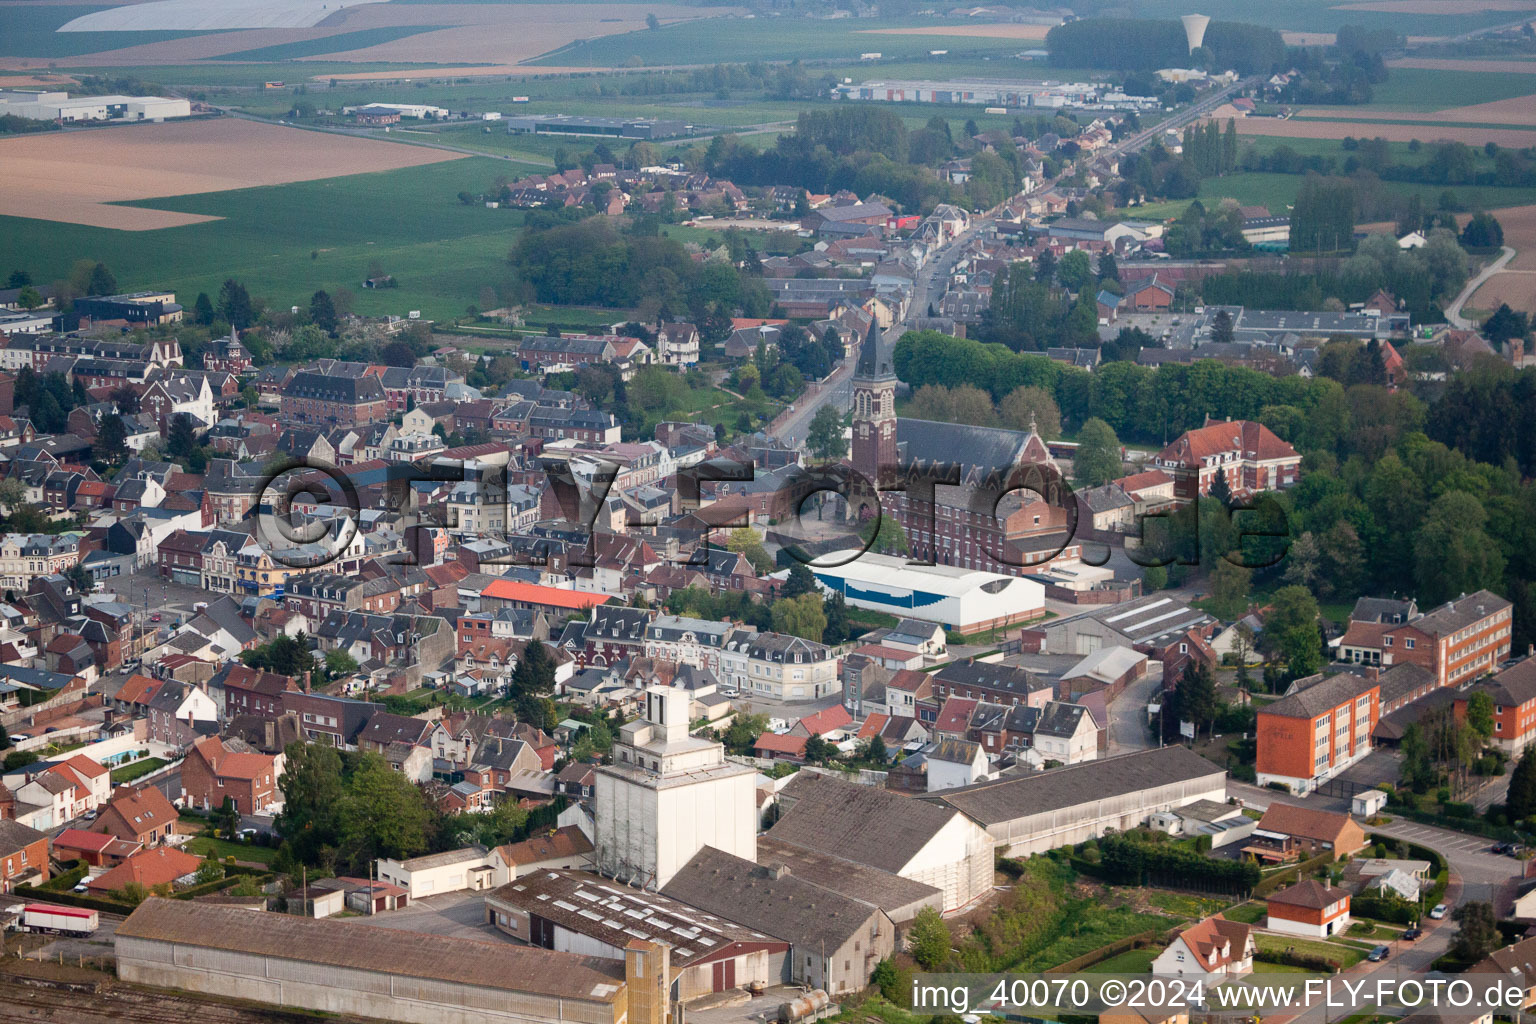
1471, 134
72, 176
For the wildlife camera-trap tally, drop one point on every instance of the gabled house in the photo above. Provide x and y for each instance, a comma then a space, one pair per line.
1212, 946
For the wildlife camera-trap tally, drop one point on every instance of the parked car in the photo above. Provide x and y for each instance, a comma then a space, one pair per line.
1378, 954
82, 887
1412, 933
1439, 912
155, 617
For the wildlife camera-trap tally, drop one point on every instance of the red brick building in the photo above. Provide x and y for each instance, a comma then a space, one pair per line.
1309, 908
23, 855
1317, 730
139, 815
212, 772
334, 401
1458, 641
1248, 454
1513, 692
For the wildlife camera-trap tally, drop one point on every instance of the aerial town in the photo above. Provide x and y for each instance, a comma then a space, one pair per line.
628, 515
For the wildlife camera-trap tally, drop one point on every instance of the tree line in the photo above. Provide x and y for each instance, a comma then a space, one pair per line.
1129, 44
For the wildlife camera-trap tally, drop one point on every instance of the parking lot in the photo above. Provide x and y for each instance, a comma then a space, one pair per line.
460, 915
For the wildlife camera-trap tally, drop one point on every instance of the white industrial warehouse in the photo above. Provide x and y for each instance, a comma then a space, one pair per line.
60, 106
966, 600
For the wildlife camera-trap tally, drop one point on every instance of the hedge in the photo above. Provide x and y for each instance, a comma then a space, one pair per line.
68, 880
1127, 862
1292, 873
74, 899
1150, 937
217, 885
1384, 908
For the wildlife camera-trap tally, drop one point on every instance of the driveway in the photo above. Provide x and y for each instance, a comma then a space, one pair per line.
1128, 713
1453, 311
460, 915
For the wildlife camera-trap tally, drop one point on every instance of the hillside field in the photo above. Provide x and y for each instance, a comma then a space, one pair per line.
287, 241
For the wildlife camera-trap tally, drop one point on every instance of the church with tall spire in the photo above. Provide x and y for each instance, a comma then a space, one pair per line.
1027, 529
874, 409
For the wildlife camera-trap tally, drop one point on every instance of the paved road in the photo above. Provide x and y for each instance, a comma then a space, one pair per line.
459, 914
1453, 311
1128, 714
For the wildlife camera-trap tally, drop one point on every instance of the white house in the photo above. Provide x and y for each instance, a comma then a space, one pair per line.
1212, 946
474, 868
953, 763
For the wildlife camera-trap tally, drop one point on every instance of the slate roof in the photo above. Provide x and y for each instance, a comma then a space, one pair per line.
1005, 799
1512, 687
326, 388
1311, 894
787, 907
496, 965
861, 823
1320, 697
988, 449
885, 889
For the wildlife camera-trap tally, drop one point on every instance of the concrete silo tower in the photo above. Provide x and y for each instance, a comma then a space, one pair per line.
1194, 29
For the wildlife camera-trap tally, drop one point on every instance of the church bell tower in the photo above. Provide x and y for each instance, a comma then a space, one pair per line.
874, 410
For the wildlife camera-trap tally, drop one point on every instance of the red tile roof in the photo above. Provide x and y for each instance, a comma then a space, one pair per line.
1252, 440
555, 597
160, 866
776, 743
829, 720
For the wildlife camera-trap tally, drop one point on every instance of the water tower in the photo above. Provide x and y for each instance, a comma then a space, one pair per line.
1194, 29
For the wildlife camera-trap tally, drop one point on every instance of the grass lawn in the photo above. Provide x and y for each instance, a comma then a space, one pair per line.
137, 769
287, 241
1187, 905
1346, 955
1251, 912
1093, 928
1134, 961
208, 846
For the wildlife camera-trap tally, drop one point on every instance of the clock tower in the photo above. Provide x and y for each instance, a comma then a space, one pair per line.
874, 410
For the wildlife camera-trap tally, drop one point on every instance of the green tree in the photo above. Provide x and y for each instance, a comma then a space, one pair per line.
1419, 768
799, 581
1196, 696
929, 939
112, 436
1521, 799
1478, 934
19, 759
202, 310
1075, 270
1222, 331
743, 732
226, 820
745, 541
1230, 586
652, 22
1031, 407
383, 815
181, 439
1453, 553
133, 893
535, 672
312, 793
339, 663
1480, 714
819, 751
322, 312
884, 536
101, 281
800, 616
824, 437
30, 298
209, 871
1098, 454
235, 304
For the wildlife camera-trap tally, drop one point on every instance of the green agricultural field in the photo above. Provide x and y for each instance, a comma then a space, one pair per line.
286, 241
30, 30
1420, 89
739, 40
1325, 16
